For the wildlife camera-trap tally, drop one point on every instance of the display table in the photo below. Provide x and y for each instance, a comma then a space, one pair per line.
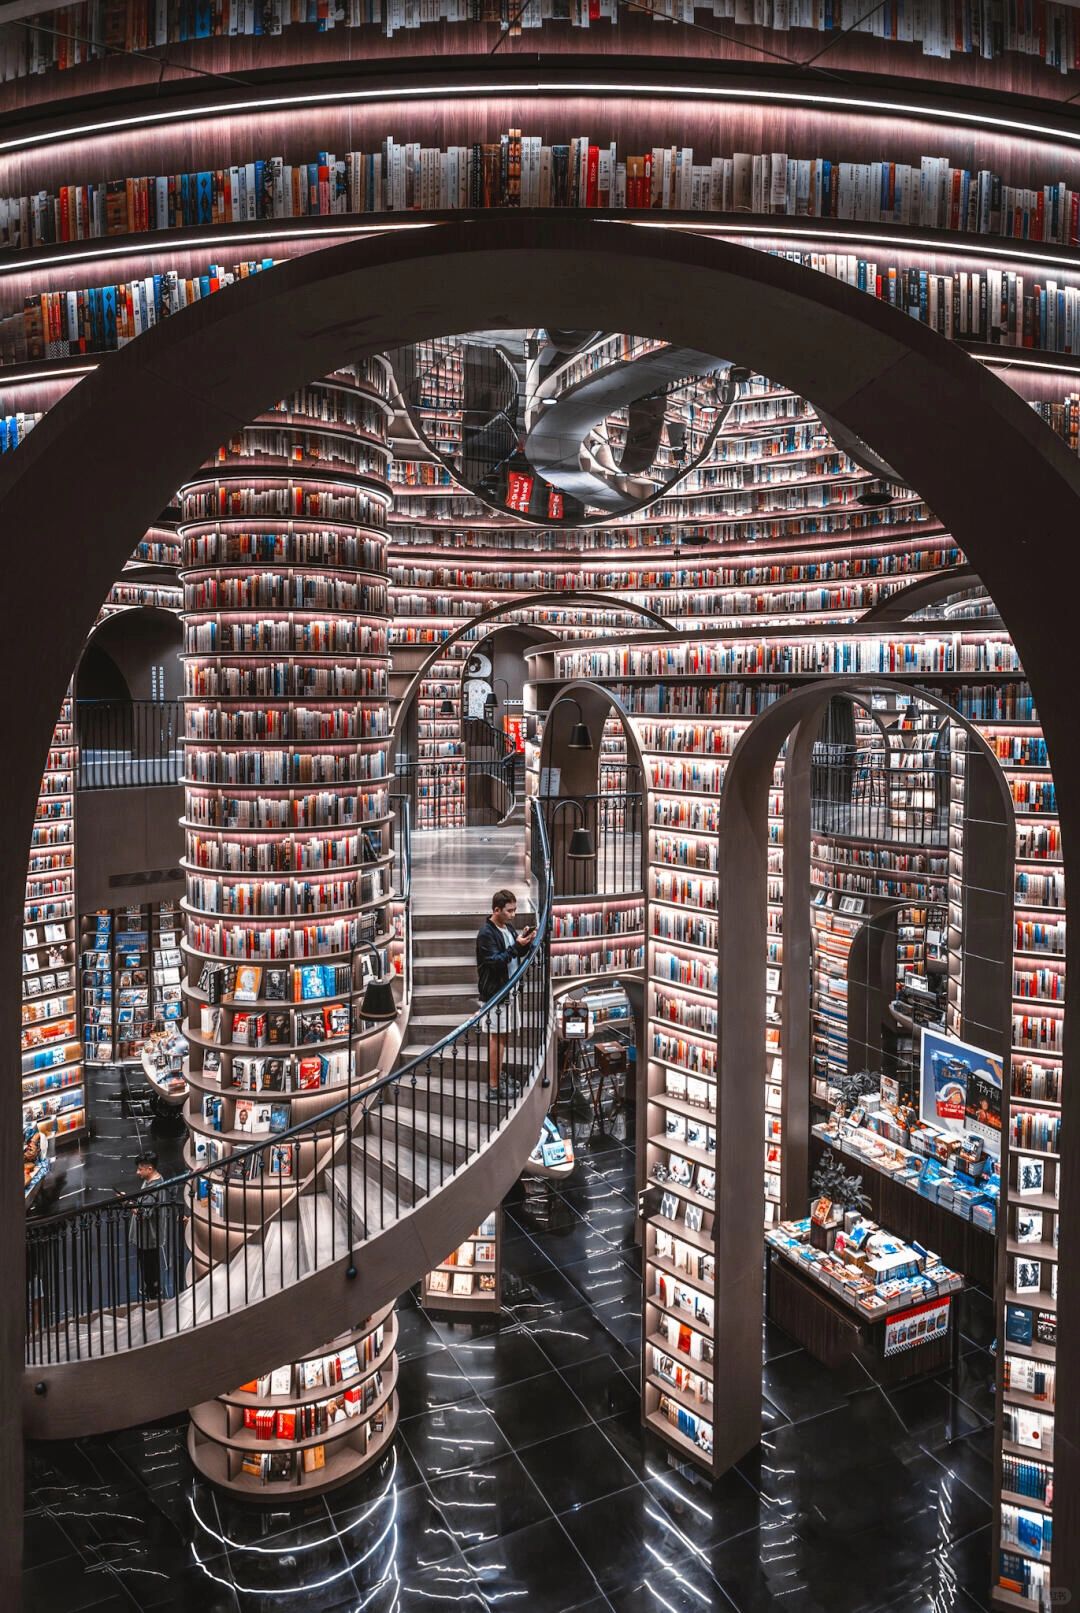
896, 1202
168, 1091
907, 1337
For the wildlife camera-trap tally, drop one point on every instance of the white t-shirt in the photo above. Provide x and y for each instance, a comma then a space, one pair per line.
510, 940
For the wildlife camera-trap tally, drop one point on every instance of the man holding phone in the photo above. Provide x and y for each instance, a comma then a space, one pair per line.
499, 950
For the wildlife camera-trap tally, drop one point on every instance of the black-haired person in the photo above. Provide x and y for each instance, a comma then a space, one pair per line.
500, 948
146, 1224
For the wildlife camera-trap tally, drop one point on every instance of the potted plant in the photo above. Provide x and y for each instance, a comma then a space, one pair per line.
831, 1181
847, 1090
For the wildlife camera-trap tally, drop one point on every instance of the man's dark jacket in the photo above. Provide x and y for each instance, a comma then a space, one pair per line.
494, 957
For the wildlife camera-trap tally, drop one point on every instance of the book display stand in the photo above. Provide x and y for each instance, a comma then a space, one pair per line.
287, 814
307, 1426
470, 1278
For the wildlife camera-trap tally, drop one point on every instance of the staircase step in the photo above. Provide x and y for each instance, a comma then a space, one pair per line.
450, 1141
458, 999
454, 966
323, 1232
382, 1209
400, 1167
446, 1096
426, 922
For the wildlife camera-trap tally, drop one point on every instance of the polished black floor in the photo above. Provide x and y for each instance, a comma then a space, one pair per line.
121, 1128
521, 1477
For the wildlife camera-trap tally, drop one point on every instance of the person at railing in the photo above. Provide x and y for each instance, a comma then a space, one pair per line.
154, 1229
499, 950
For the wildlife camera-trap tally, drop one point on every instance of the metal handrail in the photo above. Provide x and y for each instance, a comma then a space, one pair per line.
125, 743
616, 821
439, 786
82, 1298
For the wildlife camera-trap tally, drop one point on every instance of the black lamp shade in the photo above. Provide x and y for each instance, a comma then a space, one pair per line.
446, 709
581, 844
379, 1001
580, 738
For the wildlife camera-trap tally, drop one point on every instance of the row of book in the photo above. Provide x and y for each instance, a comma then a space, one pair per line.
277, 898
252, 1028
989, 305
699, 659
99, 319
287, 680
282, 768
272, 590
283, 723
332, 548
1037, 1131
984, 305
278, 502
1039, 890
283, 855
276, 944
308, 1421
329, 635
322, 809
519, 170
582, 923
250, 984
92, 29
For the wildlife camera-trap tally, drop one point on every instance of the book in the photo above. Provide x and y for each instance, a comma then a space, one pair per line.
247, 982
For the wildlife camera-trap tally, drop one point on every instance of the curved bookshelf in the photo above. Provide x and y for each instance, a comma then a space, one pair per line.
287, 812
307, 1427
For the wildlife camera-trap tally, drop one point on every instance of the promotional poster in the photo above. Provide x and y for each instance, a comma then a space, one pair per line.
960, 1088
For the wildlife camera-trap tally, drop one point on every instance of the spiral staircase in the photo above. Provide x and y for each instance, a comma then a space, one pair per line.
388, 1181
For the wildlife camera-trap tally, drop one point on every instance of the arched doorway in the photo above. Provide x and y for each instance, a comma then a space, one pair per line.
171, 401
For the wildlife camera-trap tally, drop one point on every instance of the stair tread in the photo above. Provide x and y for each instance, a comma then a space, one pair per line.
435, 1124
323, 1232
382, 1208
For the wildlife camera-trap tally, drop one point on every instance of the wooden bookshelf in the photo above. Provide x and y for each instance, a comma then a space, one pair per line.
992, 697
53, 1088
287, 812
307, 1427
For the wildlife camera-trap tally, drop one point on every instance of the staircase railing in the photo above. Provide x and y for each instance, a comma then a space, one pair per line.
614, 822
125, 743
91, 1289
452, 791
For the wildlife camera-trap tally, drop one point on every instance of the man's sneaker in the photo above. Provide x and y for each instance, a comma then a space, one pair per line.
507, 1089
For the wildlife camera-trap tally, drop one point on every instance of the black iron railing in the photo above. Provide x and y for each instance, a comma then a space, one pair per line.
484, 742
896, 795
454, 791
212, 1241
124, 743
613, 822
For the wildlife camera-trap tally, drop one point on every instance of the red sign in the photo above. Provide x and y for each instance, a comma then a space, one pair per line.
555, 504
518, 491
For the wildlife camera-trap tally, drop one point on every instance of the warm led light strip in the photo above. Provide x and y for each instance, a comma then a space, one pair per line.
835, 242
541, 86
153, 242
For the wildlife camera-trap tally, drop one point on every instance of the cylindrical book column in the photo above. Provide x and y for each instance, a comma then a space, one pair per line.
288, 844
308, 1425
